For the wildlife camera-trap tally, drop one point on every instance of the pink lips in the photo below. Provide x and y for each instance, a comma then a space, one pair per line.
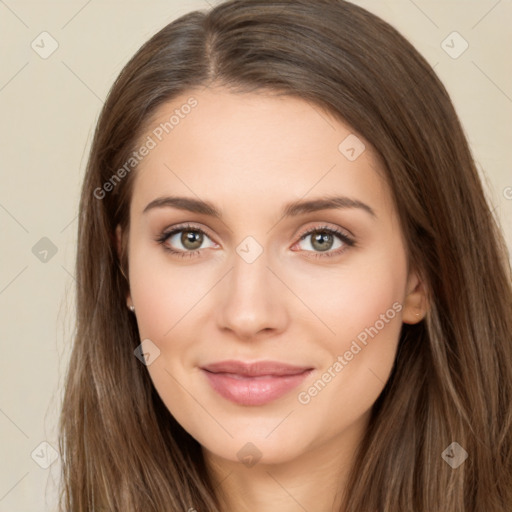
254, 383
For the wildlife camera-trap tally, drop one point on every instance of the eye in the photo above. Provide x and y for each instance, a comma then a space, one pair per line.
324, 239
190, 238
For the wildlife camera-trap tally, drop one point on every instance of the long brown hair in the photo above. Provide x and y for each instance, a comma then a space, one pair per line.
452, 378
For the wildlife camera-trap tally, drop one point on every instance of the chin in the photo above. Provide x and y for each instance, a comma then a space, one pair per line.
251, 448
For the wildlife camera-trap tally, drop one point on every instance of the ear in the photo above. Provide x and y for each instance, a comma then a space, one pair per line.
119, 246
415, 303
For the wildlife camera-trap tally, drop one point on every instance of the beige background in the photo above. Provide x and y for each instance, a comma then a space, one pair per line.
49, 108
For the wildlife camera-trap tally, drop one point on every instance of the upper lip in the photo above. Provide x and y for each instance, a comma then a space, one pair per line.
255, 369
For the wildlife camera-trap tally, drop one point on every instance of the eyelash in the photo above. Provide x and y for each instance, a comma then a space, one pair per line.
347, 241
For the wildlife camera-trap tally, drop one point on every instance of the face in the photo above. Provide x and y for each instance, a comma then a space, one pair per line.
272, 324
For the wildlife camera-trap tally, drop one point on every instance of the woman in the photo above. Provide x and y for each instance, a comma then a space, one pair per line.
292, 294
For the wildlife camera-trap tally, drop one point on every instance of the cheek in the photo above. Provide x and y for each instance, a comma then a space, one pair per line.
166, 298
370, 303
361, 304
365, 314
165, 293
352, 297
367, 331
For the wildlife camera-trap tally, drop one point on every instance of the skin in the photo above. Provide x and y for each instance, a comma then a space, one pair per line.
249, 155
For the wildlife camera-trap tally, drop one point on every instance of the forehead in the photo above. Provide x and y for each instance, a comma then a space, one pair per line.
242, 147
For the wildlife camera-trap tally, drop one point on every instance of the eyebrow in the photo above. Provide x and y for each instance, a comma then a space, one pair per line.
292, 209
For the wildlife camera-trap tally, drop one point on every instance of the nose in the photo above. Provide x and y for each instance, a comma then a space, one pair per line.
253, 300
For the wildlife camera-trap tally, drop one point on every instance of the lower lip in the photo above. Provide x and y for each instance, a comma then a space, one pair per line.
254, 390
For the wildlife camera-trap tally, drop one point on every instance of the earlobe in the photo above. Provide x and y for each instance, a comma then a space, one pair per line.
415, 303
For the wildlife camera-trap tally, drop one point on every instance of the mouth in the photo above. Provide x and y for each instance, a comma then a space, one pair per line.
253, 384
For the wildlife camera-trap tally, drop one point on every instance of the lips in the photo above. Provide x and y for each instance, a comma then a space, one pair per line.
256, 369
255, 383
